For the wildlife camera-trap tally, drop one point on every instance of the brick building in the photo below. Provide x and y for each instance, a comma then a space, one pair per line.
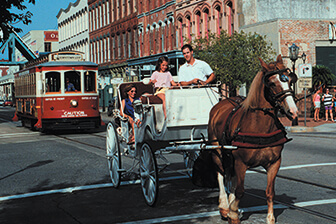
303, 22
199, 18
113, 39
156, 37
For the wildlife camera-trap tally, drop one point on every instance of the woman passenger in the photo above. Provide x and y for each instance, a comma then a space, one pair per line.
128, 110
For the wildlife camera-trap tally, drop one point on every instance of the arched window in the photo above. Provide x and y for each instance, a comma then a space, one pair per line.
180, 30
218, 19
206, 22
230, 17
188, 26
198, 24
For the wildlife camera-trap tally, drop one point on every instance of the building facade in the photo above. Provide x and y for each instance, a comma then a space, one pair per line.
303, 22
156, 37
197, 19
113, 40
73, 27
40, 42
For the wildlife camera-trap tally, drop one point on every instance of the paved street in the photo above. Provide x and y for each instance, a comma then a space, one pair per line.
63, 178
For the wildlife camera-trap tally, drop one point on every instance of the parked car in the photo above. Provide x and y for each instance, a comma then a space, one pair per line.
2, 103
8, 103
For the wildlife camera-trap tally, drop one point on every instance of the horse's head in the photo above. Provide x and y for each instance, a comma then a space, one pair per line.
278, 91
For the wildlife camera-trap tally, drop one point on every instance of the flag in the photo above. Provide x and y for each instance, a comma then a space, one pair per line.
33, 43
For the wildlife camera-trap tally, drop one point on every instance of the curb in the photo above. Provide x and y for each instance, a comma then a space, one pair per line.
295, 129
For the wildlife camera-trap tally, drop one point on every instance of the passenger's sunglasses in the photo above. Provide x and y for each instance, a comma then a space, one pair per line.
133, 91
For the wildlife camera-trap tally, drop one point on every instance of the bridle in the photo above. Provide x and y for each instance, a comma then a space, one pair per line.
276, 98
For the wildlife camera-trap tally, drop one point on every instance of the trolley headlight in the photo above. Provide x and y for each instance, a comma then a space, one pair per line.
74, 103
137, 105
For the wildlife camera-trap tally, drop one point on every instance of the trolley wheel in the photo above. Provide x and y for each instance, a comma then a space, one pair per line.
113, 154
189, 160
149, 176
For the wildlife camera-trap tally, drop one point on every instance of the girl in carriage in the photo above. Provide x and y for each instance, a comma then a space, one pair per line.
162, 80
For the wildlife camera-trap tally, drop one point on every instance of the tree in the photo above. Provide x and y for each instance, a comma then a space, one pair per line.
234, 59
322, 75
9, 18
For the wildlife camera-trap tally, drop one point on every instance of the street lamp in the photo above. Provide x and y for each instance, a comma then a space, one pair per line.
294, 55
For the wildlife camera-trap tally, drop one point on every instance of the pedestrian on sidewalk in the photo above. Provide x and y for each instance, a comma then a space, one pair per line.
317, 105
327, 99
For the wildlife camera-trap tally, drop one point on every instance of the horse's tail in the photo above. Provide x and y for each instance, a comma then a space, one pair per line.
228, 164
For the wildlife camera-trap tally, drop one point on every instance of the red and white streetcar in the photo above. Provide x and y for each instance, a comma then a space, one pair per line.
58, 91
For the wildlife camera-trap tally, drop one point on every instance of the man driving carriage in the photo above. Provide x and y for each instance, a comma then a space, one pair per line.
194, 71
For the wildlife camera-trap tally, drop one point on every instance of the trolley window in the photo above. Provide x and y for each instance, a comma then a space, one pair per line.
53, 82
72, 81
90, 81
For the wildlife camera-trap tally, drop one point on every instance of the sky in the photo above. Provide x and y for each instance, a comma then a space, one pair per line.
44, 16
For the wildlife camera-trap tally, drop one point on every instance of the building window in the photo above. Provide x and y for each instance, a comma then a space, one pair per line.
124, 44
206, 23
218, 19
188, 24
130, 44
198, 24
47, 47
230, 15
180, 30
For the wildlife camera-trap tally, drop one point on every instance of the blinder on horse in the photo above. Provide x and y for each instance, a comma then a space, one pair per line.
285, 75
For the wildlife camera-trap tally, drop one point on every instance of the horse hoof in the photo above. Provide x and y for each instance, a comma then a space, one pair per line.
224, 213
233, 221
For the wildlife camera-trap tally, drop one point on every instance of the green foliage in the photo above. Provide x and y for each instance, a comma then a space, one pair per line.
322, 75
8, 18
234, 59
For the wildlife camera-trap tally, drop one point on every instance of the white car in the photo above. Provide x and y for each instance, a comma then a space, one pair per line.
2, 103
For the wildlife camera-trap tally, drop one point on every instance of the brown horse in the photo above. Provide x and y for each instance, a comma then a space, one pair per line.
252, 126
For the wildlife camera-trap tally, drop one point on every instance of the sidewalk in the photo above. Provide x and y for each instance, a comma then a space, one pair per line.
311, 125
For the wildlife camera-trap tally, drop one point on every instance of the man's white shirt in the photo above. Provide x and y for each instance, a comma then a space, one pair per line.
199, 69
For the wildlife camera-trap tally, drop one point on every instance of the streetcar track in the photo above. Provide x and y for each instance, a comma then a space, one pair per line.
83, 143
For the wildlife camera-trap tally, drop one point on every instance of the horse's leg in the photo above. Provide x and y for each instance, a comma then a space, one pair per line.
271, 174
240, 170
223, 199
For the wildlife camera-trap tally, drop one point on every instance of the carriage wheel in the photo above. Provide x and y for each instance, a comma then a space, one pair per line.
113, 154
149, 174
189, 160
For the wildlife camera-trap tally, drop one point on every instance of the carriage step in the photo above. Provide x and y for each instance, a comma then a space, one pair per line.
121, 170
177, 171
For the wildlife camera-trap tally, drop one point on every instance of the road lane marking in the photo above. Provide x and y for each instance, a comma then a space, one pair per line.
242, 210
18, 134
299, 166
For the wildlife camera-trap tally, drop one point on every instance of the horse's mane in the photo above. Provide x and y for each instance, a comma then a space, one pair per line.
256, 91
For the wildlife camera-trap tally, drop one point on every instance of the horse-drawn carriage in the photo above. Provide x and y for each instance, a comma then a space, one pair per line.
184, 131
239, 135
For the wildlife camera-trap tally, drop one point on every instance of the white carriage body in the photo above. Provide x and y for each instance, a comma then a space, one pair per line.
187, 116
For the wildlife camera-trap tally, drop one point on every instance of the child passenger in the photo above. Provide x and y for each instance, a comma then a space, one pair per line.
162, 80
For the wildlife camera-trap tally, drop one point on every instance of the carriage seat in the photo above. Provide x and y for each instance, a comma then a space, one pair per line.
156, 102
150, 99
